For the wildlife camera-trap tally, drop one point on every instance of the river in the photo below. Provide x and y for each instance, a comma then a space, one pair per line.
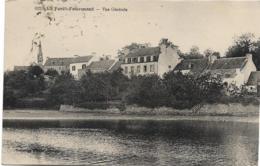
130, 142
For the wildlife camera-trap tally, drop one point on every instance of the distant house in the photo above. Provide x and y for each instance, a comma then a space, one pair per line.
253, 82
78, 63
18, 68
101, 66
151, 60
58, 64
234, 71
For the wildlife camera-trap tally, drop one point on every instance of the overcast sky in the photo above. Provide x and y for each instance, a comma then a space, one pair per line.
205, 24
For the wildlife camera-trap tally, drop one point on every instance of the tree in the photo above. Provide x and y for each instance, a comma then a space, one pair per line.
193, 54
147, 91
244, 44
128, 48
65, 90
52, 73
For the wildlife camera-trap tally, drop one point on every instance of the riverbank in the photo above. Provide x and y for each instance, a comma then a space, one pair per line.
246, 114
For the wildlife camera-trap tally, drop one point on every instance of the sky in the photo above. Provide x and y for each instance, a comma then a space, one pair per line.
204, 24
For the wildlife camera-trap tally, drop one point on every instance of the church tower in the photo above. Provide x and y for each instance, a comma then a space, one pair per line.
40, 55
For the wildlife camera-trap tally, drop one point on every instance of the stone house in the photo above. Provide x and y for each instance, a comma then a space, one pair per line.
253, 82
108, 65
78, 63
151, 60
233, 71
58, 64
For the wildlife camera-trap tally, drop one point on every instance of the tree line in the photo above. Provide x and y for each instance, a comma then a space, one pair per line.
173, 90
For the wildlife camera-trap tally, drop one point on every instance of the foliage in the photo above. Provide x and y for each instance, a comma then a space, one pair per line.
147, 91
52, 73
103, 86
65, 90
244, 44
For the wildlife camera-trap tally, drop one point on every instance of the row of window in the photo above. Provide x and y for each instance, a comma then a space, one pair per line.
142, 59
137, 69
73, 68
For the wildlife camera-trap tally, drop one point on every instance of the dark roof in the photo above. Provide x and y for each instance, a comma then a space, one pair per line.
102, 65
228, 63
21, 68
150, 51
223, 73
254, 78
194, 65
58, 61
80, 59
116, 66
66, 61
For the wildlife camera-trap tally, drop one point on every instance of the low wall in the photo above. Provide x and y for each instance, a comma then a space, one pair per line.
234, 109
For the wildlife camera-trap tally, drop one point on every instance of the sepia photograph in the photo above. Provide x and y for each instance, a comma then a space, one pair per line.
131, 83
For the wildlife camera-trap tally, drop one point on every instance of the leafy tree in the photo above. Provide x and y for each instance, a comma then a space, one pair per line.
128, 48
244, 44
65, 90
193, 54
35, 71
147, 91
52, 73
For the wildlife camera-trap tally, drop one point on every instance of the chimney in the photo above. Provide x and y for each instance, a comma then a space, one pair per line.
249, 56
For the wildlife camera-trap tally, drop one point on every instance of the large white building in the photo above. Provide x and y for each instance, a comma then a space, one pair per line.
151, 60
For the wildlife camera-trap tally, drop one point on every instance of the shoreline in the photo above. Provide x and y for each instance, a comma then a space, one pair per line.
55, 115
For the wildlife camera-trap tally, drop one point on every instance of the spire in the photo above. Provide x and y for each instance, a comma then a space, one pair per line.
39, 55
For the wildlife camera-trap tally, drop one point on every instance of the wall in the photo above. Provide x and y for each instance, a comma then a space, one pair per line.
168, 59
141, 68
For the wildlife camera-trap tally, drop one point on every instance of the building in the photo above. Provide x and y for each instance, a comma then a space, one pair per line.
58, 64
151, 60
233, 71
101, 66
253, 82
78, 63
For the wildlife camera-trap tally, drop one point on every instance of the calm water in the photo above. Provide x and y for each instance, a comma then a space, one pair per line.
114, 142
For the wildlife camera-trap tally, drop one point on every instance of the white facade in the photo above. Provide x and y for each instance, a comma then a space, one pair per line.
75, 67
242, 75
160, 64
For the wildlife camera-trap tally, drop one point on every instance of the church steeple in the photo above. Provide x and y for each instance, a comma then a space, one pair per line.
40, 55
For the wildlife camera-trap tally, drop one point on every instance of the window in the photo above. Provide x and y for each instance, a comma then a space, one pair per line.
132, 69
126, 70
151, 68
169, 66
190, 66
129, 60
73, 68
135, 60
148, 59
141, 59
138, 69
155, 58
84, 66
145, 68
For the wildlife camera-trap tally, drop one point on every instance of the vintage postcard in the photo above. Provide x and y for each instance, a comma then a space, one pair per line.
114, 82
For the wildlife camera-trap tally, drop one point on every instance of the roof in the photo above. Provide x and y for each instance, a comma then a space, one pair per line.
116, 66
81, 59
66, 61
223, 73
228, 63
149, 51
102, 65
222, 66
58, 61
254, 78
194, 65
21, 68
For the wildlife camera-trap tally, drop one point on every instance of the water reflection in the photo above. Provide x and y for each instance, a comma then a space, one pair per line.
129, 142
